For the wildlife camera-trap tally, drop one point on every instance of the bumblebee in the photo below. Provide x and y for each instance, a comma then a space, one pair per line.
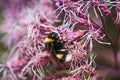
55, 47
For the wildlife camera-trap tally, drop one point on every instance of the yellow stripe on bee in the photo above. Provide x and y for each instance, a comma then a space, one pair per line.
59, 56
49, 40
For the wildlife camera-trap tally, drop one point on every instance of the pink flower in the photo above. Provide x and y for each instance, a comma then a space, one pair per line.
31, 25
118, 13
17, 20
101, 7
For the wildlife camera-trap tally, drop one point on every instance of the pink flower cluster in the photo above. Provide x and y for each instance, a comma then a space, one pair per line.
26, 25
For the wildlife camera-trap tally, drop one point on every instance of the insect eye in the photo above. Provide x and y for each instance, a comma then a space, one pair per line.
52, 35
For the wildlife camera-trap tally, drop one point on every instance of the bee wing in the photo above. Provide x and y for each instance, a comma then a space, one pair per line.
62, 50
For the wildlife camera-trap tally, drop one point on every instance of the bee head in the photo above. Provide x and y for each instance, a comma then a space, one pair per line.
53, 35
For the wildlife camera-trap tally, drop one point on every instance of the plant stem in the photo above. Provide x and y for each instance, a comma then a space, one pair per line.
115, 47
113, 43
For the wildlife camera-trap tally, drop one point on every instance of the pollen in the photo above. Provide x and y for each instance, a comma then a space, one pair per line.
48, 40
59, 56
